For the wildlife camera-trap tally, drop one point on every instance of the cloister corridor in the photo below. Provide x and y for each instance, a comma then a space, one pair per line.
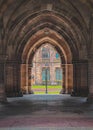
46, 43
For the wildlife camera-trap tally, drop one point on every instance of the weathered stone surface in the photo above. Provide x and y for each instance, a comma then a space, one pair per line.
67, 25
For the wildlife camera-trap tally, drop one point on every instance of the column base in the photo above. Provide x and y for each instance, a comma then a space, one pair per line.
31, 92
90, 98
62, 91
80, 93
73, 93
14, 94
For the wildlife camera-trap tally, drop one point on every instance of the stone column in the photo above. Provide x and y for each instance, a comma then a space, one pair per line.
29, 79
2, 63
90, 61
13, 80
23, 78
90, 80
75, 83
63, 80
2, 78
69, 78
80, 78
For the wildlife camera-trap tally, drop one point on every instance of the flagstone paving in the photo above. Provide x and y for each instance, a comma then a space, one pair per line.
46, 112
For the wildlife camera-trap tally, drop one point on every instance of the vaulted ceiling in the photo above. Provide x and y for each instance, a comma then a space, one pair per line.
12, 9
23, 18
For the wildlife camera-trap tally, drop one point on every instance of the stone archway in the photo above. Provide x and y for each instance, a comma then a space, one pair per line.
66, 60
70, 20
59, 31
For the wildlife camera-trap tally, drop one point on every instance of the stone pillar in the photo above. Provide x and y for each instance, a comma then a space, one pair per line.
2, 78
23, 78
30, 79
90, 61
80, 78
13, 84
16, 79
2, 63
90, 80
75, 76
69, 78
63, 80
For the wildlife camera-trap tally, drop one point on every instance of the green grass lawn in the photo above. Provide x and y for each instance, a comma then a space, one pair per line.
41, 89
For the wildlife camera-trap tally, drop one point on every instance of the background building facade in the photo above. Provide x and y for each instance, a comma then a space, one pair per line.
47, 62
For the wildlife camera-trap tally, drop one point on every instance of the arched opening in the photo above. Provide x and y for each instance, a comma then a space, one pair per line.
26, 26
46, 73
61, 33
65, 64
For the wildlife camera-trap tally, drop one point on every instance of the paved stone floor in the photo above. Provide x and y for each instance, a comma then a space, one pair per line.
46, 112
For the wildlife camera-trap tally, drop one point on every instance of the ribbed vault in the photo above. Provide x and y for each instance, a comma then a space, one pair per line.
22, 19
66, 24
19, 35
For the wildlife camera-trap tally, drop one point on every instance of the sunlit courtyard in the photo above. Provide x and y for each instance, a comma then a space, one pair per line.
42, 89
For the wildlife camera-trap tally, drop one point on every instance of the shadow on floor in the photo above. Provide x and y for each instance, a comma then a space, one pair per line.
31, 104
